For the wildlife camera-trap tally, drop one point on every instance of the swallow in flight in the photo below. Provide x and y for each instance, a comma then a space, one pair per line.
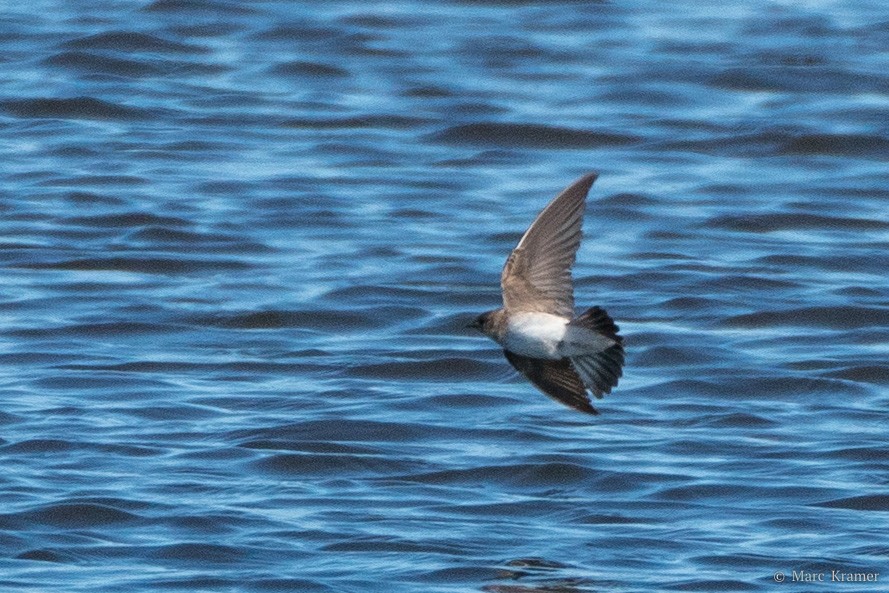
563, 355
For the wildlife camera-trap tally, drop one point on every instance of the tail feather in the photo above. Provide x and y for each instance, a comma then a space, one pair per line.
600, 371
597, 319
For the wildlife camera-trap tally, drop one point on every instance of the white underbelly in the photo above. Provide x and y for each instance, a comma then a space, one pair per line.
538, 335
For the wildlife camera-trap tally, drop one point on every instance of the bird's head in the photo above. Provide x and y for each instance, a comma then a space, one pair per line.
484, 323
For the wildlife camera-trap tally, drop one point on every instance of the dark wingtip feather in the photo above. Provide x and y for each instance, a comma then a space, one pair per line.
555, 378
587, 409
585, 183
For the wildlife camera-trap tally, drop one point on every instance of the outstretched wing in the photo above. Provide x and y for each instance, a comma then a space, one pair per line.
537, 274
555, 378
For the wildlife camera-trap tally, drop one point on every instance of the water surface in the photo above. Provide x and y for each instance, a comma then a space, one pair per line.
241, 242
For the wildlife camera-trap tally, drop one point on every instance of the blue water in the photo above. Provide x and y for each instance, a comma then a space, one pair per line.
241, 241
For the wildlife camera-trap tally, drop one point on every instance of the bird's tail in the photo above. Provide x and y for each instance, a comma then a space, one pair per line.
600, 370
597, 320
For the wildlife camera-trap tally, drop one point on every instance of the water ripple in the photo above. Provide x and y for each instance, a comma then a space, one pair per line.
241, 244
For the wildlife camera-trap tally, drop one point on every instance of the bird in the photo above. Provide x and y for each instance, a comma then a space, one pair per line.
561, 354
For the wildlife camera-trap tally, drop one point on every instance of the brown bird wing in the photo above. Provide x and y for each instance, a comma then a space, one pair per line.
555, 378
537, 274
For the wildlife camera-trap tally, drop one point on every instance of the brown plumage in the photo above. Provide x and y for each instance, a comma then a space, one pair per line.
562, 355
